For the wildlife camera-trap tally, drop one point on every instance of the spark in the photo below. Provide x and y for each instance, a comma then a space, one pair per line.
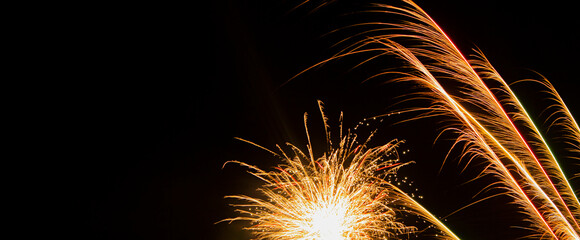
342, 195
490, 124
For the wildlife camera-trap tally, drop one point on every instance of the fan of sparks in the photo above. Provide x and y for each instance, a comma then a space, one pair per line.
490, 124
340, 195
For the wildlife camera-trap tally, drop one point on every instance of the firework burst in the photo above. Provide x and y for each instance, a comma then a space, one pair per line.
341, 195
491, 123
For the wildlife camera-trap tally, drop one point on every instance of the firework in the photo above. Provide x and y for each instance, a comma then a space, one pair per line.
341, 195
490, 124
562, 119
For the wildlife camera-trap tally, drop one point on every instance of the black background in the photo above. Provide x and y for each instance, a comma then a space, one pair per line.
169, 87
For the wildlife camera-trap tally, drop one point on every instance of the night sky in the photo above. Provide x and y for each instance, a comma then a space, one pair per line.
178, 83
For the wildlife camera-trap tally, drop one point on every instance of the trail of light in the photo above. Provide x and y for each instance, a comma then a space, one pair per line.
439, 29
522, 169
470, 120
554, 159
517, 163
530, 122
465, 113
527, 175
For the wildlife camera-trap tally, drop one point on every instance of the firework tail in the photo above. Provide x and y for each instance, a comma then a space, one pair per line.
525, 167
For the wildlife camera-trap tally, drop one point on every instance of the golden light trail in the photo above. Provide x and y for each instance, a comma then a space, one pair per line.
525, 169
340, 195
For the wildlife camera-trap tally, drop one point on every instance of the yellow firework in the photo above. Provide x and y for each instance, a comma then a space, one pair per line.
489, 123
340, 195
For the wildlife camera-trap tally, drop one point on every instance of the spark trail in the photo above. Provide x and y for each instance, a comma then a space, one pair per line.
492, 124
